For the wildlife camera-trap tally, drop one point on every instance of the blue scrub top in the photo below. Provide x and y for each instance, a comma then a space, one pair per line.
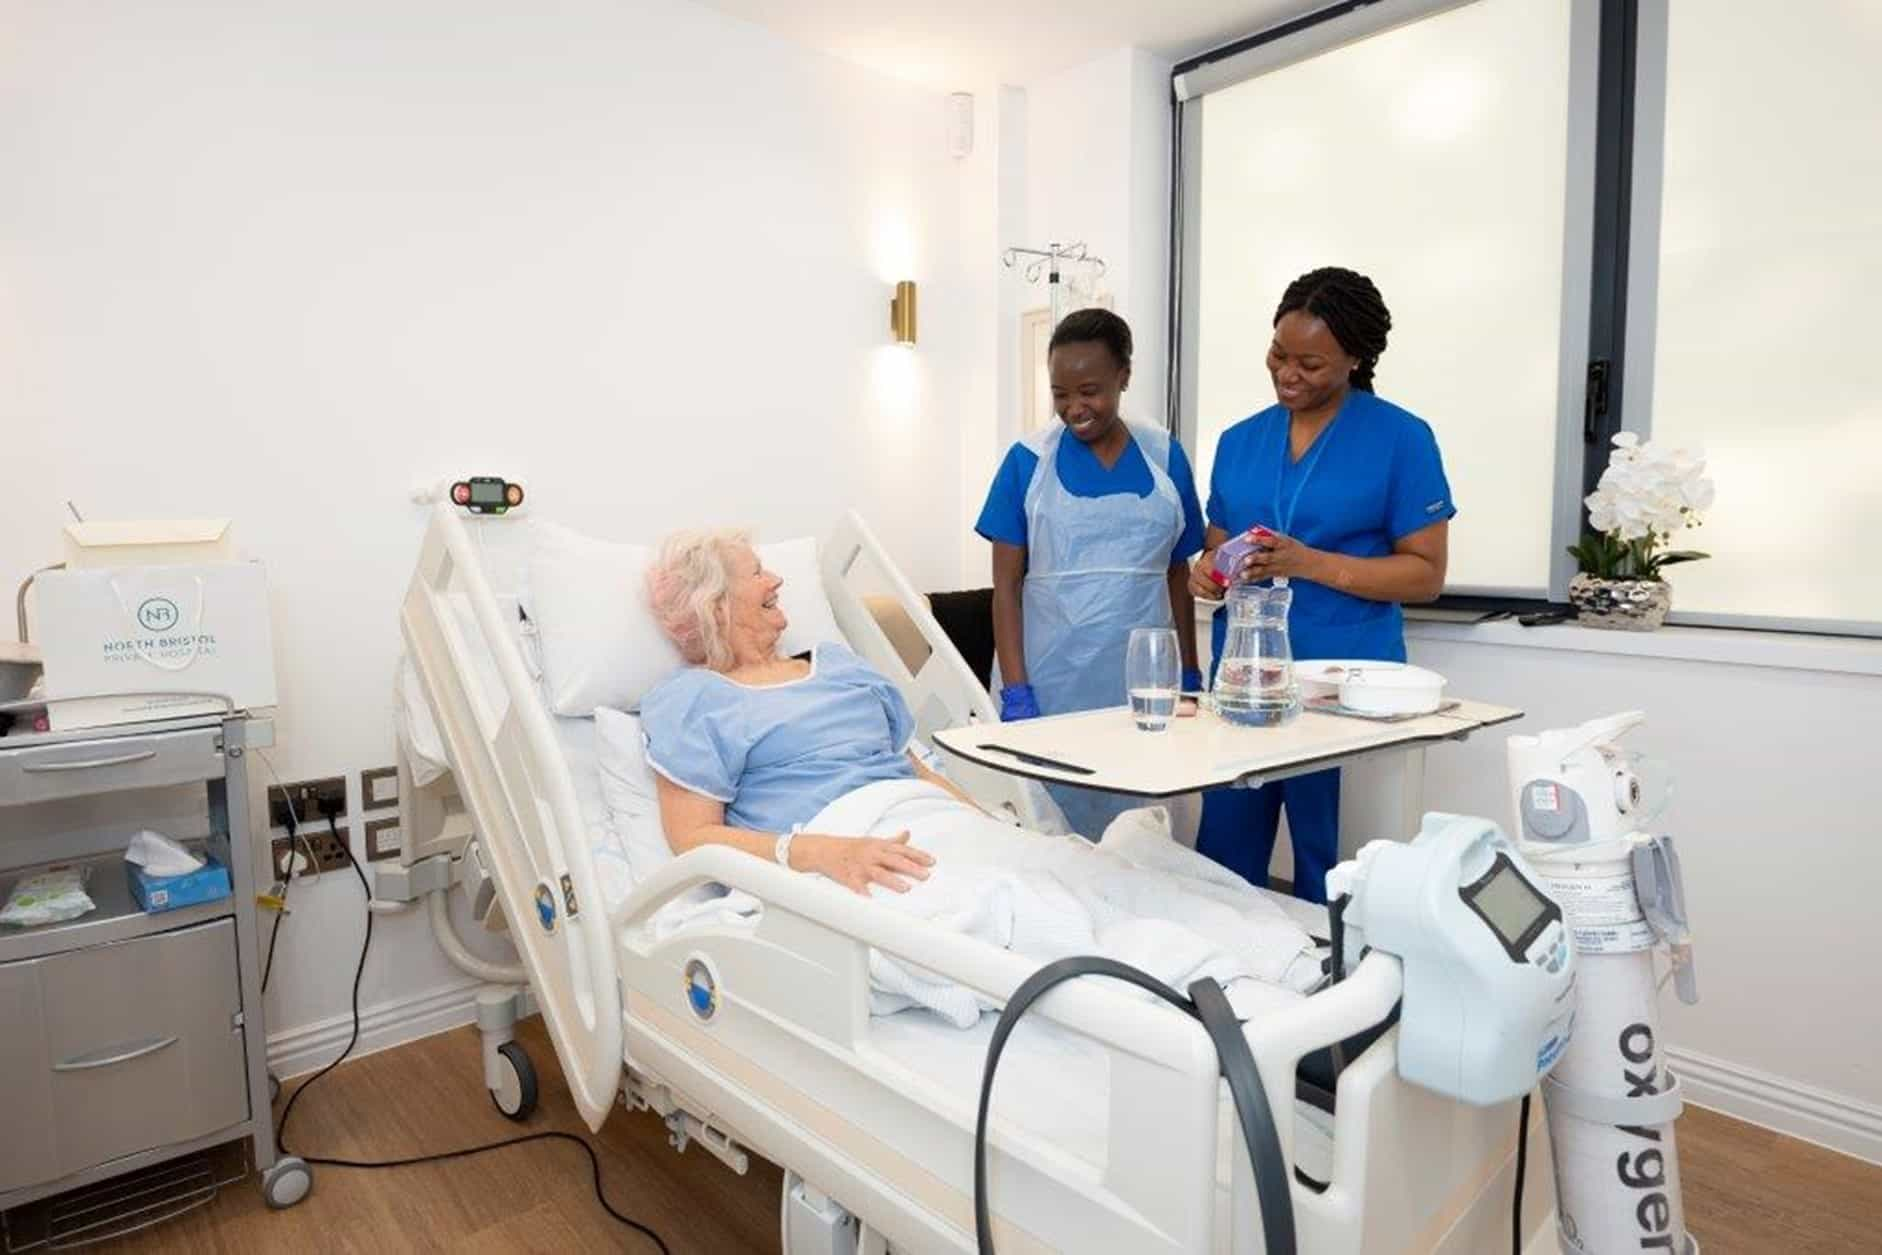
1373, 477
1003, 518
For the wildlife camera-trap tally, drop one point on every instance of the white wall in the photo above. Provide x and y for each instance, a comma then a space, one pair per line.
278, 266
1098, 154
1779, 839
992, 201
1079, 155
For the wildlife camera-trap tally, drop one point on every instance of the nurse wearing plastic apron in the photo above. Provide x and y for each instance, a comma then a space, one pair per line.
1356, 488
1093, 522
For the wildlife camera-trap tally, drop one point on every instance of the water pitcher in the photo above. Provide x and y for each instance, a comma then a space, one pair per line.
1254, 683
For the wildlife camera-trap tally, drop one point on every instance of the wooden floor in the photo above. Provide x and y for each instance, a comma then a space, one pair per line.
1748, 1191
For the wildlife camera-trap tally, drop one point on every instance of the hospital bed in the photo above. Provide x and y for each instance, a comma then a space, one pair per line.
1110, 1130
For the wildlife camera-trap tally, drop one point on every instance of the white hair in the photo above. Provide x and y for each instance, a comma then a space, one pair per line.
687, 586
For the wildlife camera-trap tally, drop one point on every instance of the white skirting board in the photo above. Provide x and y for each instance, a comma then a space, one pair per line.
1799, 1111
297, 1051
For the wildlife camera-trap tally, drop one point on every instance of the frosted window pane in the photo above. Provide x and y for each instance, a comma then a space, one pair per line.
1768, 304
1432, 158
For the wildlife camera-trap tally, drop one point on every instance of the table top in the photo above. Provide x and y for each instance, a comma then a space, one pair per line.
1201, 752
260, 736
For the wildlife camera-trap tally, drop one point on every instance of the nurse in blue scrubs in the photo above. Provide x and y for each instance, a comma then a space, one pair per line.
1355, 487
1093, 523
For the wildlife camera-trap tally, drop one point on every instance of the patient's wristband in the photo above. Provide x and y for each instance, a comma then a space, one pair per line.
782, 851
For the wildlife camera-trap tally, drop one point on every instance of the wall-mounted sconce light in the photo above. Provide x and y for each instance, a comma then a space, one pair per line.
902, 313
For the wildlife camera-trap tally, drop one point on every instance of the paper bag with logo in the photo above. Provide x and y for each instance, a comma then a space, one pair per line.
153, 642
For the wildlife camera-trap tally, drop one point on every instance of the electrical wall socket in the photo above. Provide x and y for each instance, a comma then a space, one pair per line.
383, 839
329, 851
378, 787
306, 797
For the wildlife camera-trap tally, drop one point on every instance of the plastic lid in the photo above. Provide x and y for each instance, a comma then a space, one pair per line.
1394, 675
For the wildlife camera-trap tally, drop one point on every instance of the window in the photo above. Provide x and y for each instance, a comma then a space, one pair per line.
1431, 157
1760, 338
1586, 216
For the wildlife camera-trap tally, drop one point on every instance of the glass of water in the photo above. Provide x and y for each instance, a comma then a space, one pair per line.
1152, 672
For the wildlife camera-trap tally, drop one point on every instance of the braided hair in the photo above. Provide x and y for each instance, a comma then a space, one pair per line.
1352, 309
1095, 326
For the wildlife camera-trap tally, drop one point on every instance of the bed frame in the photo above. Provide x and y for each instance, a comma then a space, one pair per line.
779, 1059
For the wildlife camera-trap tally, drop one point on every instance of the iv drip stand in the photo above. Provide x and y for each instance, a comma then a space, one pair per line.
1049, 259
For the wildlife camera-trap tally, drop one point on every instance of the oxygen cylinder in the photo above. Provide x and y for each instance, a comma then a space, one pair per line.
1581, 809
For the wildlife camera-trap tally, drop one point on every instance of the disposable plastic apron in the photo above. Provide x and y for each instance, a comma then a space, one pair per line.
1096, 567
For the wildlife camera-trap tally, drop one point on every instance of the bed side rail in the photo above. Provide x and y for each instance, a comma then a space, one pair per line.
510, 773
1134, 1023
941, 691
1149, 1174
796, 994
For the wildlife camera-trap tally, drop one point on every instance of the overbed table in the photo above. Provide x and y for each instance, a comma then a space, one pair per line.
1382, 795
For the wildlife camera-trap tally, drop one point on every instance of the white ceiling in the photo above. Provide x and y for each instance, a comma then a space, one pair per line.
955, 45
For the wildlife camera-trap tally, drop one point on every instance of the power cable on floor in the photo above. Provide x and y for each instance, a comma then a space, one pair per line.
359, 970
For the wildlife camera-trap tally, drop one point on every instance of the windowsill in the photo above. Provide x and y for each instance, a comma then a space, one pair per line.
1730, 647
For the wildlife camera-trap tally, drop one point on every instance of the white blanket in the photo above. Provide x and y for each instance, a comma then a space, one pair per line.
1138, 897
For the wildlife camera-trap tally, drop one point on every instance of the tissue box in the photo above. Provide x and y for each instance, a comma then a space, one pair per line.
207, 883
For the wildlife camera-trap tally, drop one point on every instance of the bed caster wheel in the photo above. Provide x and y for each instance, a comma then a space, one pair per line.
286, 1183
274, 1089
516, 1096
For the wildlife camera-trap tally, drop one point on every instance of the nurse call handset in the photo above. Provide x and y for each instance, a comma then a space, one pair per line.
486, 494
1234, 551
1489, 973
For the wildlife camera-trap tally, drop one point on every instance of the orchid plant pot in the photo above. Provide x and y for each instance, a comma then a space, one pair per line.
1647, 493
1630, 605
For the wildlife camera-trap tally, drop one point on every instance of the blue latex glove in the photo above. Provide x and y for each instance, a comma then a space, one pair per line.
1192, 680
1017, 702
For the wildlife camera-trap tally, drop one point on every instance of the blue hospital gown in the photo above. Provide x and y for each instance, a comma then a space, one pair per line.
777, 755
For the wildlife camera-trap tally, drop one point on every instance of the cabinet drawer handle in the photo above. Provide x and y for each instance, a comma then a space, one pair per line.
86, 763
82, 1063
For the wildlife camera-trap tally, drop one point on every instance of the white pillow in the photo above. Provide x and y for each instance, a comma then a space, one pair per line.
627, 786
600, 644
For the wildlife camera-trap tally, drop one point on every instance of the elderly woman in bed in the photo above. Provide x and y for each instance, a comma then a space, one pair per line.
748, 746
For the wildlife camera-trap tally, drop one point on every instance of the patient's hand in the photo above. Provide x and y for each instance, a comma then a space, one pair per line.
858, 862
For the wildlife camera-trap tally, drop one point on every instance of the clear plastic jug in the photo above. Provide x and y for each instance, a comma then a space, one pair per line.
1254, 682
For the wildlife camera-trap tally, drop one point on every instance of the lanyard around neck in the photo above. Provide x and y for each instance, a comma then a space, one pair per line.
1284, 523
